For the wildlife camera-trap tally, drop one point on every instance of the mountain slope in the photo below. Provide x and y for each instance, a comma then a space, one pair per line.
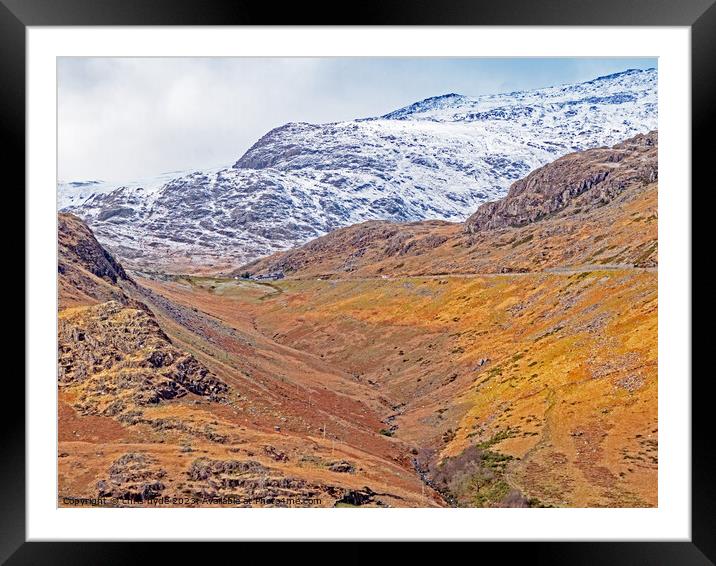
596, 207
593, 178
86, 272
112, 353
519, 348
531, 380
514, 389
437, 159
167, 395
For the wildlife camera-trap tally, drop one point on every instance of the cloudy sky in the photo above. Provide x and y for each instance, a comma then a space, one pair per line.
124, 119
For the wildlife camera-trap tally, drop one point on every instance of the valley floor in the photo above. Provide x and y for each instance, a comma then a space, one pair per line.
530, 389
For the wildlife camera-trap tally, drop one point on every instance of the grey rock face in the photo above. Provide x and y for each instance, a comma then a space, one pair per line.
596, 176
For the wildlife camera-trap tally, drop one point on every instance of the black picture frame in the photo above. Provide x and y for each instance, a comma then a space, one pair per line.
699, 15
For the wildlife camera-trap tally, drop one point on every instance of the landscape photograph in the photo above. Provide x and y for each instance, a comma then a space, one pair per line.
357, 282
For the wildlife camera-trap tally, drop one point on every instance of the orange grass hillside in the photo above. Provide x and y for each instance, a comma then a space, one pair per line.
552, 377
161, 404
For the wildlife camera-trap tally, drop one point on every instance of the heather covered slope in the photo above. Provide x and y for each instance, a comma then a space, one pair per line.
592, 208
497, 390
531, 389
160, 395
519, 349
507, 361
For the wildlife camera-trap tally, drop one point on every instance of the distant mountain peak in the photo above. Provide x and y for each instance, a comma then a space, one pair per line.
439, 158
433, 102
627, 72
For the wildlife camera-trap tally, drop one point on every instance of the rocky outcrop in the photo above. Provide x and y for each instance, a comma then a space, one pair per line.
78, 246
252, 484
86, 272
118, 358
133, 477
357, 498
591, 178
342, 467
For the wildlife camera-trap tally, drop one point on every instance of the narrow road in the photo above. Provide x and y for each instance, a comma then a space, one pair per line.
551, 271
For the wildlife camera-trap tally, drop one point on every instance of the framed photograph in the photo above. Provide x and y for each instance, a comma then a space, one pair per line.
421, 275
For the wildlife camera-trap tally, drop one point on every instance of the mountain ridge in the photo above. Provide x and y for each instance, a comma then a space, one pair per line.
301, 180
551, 219
602, 172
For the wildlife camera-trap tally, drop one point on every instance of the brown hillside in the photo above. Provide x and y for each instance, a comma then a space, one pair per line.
421, 364
86, 272
183, 398
587, 179
592, 208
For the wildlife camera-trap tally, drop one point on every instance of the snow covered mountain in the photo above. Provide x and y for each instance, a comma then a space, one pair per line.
439, 158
